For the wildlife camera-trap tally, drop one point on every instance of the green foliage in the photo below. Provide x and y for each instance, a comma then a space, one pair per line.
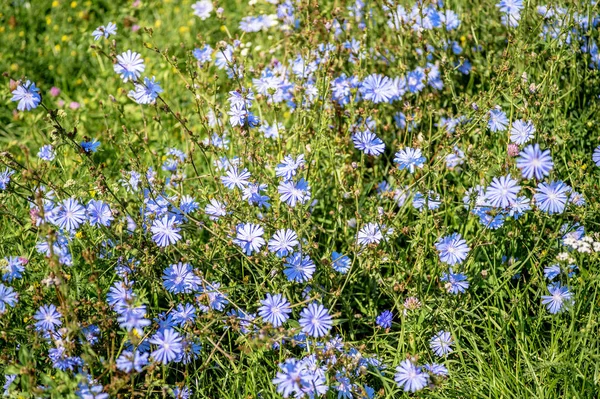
506, 343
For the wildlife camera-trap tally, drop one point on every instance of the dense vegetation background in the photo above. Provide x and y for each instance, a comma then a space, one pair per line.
504, 341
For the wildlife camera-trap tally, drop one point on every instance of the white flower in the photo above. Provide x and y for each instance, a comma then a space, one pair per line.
202, 9
129, 65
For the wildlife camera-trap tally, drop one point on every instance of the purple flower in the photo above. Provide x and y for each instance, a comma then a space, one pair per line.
69, 215
249, 237
384, 320
27, 95
315, 320
453, 249
169, 346
502, 192
275, 309
559, 299
409, 377
165, 231
534, 162
48, 318
441, 343
377, 88
129, 65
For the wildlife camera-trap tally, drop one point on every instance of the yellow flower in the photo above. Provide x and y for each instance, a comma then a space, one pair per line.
55, 3
184, 29
79, 234
73, 4
64, 38
22, 33
157, 23
57, 47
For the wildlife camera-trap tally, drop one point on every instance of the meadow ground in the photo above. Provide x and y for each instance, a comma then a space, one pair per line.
299, 198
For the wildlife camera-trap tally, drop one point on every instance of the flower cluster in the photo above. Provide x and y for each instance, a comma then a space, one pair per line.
313, 194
